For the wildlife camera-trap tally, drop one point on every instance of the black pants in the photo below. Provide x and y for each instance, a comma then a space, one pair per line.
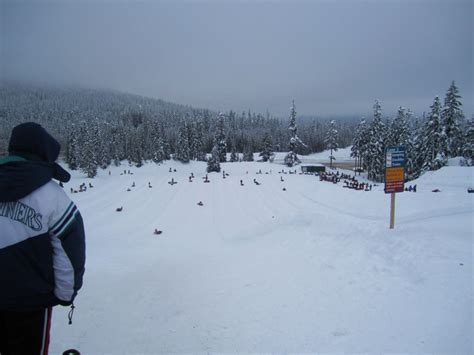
25, 333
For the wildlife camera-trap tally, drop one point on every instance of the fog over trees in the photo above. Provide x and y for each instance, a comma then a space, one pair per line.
97, 128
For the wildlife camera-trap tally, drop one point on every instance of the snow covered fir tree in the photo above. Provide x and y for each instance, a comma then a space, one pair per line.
292, 158
452, 119
220, 138
434, 141
331, 141
267, 148
468, 148
213, 162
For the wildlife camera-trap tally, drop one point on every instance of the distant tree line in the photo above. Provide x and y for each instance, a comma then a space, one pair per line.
98, 128
428, 142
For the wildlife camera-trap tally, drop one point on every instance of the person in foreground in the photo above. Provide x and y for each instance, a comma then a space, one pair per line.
42, 242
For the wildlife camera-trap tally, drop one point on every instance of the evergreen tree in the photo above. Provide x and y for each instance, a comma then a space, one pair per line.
376, 146
412, 167
331, 140
292, 158
434, 141
468, 149
156, 145
452, 120
198, 145
183, 153
71, 156
359, 144
220, 138
234, 157
89, 162
135, 147
267, 147
118, 144
399, 131
164, 143
213, 163
248, 153
103, 150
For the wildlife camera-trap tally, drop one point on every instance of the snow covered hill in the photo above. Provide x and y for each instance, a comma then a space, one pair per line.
314, 268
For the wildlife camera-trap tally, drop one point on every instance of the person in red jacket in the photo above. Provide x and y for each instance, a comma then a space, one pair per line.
42, 241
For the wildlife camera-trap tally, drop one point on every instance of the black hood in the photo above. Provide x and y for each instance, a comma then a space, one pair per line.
31, 164
33, 142
20, 178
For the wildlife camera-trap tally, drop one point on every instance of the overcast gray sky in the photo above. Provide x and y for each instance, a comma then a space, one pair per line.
332, 57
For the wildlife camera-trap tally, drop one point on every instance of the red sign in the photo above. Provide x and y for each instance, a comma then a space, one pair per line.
394, 179
391, 187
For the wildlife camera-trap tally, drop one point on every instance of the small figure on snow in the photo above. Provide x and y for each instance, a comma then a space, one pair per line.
119, 209
200, 203
241, 183
157, 231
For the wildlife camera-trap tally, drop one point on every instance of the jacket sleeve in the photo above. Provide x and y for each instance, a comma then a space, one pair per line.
68, 243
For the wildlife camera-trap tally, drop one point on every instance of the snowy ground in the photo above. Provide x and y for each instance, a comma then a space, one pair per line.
314, 268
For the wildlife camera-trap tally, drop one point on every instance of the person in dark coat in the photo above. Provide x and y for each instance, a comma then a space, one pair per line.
42, 241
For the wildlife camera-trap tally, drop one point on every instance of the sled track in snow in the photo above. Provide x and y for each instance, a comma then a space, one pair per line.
340, 211
447, 212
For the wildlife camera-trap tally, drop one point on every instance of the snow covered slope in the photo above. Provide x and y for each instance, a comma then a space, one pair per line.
314, 268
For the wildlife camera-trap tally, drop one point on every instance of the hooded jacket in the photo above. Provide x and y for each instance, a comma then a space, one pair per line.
42, 242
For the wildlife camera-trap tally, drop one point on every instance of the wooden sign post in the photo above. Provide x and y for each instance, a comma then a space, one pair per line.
392, 210
394, 176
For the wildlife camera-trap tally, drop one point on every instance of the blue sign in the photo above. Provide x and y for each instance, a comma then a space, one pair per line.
394, 157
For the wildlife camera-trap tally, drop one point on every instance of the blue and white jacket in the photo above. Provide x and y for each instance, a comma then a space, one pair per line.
42, 243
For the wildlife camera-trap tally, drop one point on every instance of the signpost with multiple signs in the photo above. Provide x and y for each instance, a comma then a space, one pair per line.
394, 176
